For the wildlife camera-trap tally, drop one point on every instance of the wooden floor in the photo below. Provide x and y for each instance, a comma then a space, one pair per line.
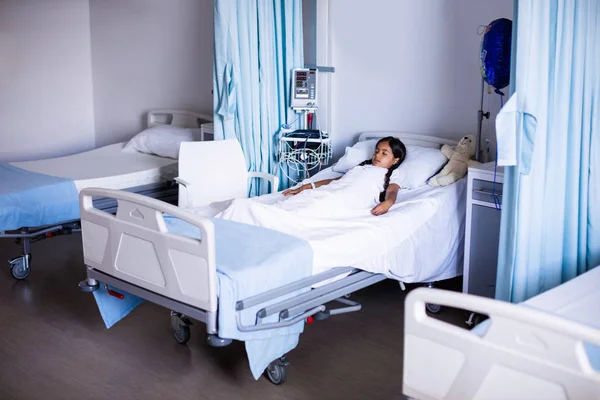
54, 345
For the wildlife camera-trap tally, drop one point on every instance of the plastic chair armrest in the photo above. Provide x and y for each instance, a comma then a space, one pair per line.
269, 177
181, 181
185, 192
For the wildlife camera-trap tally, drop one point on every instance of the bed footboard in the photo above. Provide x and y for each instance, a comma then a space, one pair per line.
135, 246
523, 353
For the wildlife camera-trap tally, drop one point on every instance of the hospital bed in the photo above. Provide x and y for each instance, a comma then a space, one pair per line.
545, 348
141, 253
46, 191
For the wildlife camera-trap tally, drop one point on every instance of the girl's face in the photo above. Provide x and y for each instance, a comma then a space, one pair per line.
383, 156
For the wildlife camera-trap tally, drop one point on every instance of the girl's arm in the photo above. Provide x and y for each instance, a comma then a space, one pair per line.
309, 186
390, 198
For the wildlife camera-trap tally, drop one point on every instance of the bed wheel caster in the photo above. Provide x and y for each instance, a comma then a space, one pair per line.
276, 372
475, 319
215, 341
84, 286
182, 334
433, 308
19, 267
181, 328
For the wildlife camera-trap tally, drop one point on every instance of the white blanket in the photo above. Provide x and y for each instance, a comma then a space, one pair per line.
353, 195
336, 220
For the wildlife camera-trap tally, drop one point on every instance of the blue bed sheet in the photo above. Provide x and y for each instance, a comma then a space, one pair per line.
250, 260
30, 199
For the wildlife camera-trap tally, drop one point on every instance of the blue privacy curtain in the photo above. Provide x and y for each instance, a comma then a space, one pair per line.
257, 44
549, 135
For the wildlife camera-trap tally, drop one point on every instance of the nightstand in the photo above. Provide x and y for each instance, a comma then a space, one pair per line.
207, 131
482, 229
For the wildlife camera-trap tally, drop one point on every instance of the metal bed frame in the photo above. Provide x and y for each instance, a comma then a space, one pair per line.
20, 266
309, 306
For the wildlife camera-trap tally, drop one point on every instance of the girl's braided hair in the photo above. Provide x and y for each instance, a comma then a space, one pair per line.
399, 151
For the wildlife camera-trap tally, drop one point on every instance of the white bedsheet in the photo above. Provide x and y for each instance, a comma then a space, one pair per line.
419, 240
435, 251
577, 299
106, 167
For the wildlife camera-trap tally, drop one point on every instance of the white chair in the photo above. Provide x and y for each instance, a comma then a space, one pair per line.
214, 171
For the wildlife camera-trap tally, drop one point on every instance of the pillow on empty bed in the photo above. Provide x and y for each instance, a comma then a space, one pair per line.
161, 140
420, 163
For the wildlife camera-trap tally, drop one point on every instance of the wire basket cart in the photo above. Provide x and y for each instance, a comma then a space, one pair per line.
302, 153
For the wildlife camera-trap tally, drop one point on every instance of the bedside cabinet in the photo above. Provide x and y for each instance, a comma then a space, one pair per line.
207, 131
482, 229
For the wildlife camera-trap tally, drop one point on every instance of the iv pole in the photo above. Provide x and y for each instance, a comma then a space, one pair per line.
480, 115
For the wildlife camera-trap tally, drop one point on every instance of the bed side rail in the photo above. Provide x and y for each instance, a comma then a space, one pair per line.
522, 353
134, 245
311, 303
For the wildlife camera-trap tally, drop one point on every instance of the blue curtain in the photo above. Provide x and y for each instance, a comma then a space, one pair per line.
549, 135
257, 44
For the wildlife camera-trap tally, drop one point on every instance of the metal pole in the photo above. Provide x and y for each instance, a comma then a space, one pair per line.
479, 123
480, 115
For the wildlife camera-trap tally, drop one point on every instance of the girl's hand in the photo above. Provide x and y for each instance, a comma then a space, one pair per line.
382, 207
293, 191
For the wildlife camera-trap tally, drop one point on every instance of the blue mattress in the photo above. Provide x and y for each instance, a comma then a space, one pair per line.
31, 199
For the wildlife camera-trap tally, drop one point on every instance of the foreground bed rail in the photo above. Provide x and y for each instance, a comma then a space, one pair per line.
540, 354
134, 245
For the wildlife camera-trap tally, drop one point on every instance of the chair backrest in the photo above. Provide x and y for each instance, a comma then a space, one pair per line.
216, 171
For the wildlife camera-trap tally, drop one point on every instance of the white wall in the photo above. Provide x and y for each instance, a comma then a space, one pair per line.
309, 29
45, 79
409, 66
149, 54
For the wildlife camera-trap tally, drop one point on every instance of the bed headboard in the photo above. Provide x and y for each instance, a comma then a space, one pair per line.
409, 138
180, 118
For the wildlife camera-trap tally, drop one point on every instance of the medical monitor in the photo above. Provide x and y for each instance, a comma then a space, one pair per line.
304, 89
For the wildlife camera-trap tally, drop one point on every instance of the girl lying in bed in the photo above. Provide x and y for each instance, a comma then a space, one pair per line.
347, 221
367, 189
368, 184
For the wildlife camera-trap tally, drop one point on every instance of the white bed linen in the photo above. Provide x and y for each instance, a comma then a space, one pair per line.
107, 167
435, 251
577, 299
409, 245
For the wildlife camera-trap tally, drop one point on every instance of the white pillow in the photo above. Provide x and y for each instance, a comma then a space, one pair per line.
354, 155
420, 163
162, 140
